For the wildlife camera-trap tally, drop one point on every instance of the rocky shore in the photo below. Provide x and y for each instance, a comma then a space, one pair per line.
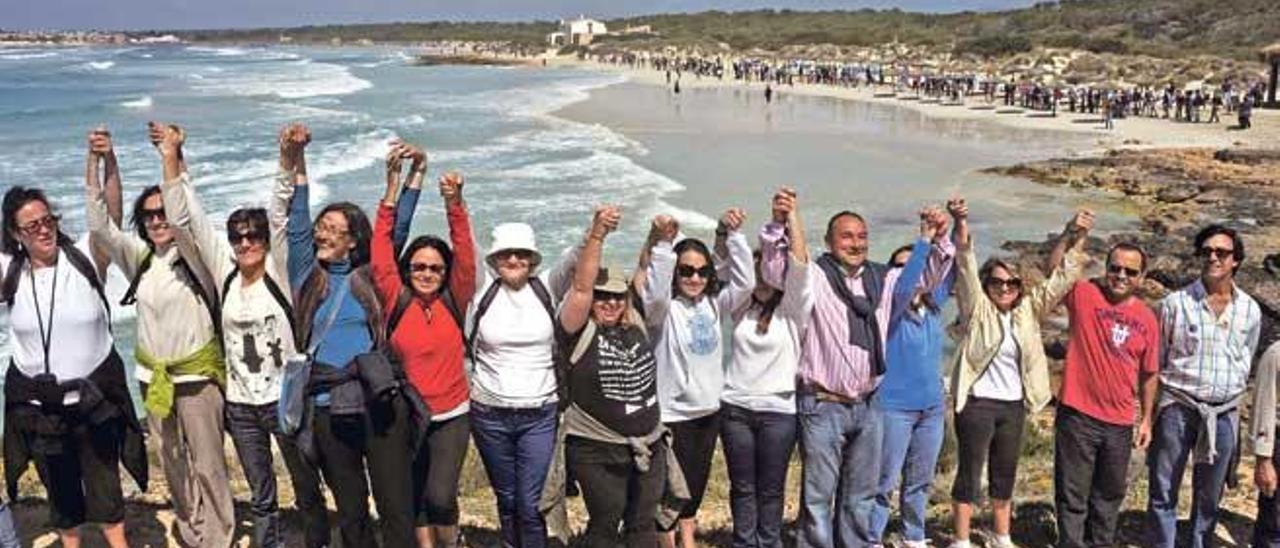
1177, 192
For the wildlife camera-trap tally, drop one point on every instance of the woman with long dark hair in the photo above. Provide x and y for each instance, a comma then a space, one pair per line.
349, 431
247, 262
684, 303
424, 294
178, 351
67, 405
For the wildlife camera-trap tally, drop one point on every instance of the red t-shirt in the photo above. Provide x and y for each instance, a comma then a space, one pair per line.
1109, 344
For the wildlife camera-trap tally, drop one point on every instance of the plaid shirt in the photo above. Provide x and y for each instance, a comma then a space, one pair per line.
1205, 355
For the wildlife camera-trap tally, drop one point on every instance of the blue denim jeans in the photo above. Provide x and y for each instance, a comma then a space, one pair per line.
840, 447
516, 446
1173, 440
912, 440
757, 450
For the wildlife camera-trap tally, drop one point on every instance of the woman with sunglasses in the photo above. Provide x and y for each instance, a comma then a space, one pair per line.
515, 394
1001, 373
684, 304
423, 294
63, 353
758, 407
615, 445
178, 350
248, 261
352, 429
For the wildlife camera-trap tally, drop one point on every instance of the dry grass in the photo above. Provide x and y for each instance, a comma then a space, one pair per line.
149, 516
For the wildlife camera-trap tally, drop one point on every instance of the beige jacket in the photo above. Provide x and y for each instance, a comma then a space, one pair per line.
1264, 402
983, 332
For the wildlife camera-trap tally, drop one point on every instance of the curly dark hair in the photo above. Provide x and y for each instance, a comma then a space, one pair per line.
433, 242
358, 228
14, 199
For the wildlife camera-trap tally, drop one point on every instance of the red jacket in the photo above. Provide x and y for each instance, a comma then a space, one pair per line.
428, 340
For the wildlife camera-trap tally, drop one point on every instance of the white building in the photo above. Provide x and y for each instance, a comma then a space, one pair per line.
577, 32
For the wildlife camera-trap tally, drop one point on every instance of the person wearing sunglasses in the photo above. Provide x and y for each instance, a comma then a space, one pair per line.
1107, 399
1001, 373
1209, 332
248, 260
684, 302
178, 350
911, 396
424, 293
359, 430
63, 353
758, 407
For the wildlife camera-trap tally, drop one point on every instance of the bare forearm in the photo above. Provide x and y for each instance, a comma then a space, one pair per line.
799, 248
172, 165
1150, 388
112, 190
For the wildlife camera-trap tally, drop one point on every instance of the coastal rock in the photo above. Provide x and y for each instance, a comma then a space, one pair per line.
1177, 193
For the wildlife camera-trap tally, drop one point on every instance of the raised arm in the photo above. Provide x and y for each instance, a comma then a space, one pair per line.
198, 240
797, 296
577, 302
100, 144
107, 242
408, 202
462, 277
1045, 296
302, 252
656, 291
382, 252
741, 271
968, 286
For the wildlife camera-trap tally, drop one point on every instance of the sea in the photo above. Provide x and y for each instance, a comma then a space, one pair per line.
498, 126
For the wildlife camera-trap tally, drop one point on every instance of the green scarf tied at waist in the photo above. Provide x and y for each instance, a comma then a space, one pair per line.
205, 362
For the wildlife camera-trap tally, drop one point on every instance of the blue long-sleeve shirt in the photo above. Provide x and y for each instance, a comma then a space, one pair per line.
349, 335
913, 349
405, 207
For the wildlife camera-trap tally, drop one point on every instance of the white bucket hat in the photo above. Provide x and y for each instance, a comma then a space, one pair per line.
514, 236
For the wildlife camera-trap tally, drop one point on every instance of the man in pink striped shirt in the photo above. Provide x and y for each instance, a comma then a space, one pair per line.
842, 359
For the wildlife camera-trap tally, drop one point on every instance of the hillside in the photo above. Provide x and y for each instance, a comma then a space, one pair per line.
1159, 28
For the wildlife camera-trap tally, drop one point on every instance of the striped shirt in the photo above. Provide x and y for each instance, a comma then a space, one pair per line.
1207, 356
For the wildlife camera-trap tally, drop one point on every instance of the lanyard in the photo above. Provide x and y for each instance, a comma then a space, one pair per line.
46, 337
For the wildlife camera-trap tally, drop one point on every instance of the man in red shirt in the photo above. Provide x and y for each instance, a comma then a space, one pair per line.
1112, 358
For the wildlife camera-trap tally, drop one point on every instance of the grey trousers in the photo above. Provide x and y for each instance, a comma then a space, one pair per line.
189, 443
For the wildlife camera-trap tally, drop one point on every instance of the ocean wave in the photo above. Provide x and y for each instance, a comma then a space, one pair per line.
220, 52
143, 102
95, 66
295, 111
363, 151
529, 101
22, 55
294, 80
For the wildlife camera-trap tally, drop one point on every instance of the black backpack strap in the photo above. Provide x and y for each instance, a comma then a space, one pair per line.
85, 265
130, 295
403, 301
272, 287
483, 306
452, 306
9, 286
226, 283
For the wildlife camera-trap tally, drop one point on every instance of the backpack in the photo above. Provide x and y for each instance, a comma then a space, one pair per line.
78, 260
559, 359
405, 299
272, 287
215, 313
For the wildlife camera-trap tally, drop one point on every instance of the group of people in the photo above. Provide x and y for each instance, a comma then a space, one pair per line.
371, 359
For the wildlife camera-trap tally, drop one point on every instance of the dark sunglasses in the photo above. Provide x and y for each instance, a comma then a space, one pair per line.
523, 254
251, 236
147, 215
608, 296
48, 221
418, 268
1117, 269
1221, 253
686, 271
1005, 283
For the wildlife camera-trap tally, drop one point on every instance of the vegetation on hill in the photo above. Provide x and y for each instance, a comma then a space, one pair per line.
1160, 28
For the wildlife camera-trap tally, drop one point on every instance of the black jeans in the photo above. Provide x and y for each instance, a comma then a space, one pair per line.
1266, 528
621, 501
757, 450
83, 481
988, 428
251, 428
380, 437
1090, 459
436, 471
694, 443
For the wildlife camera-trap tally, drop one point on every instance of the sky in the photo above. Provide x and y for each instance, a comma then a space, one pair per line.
206, 14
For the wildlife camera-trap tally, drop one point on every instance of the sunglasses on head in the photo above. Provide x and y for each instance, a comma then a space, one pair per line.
434, 268
687, 271
249, 236
1117, 270
1004, 283
1221, 253
608, 296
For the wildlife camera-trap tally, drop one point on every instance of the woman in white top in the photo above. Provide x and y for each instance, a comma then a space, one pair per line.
684, 303
248, 263
514, 388
758, 408
178, 353
66, 403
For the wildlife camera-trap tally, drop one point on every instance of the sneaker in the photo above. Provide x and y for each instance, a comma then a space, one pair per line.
915, 543
960, 544
999, 541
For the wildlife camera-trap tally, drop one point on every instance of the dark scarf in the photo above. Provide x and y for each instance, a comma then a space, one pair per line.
864, 329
